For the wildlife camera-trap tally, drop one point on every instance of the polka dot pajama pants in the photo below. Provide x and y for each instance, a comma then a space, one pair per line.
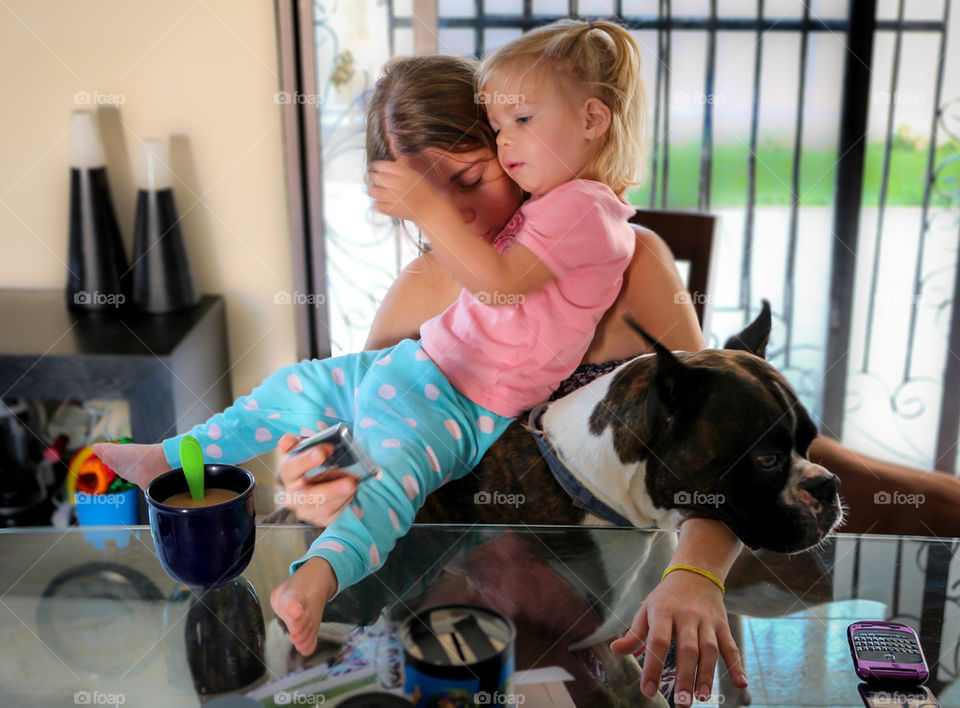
415, 426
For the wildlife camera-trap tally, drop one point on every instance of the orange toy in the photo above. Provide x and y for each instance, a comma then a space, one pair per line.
88, 474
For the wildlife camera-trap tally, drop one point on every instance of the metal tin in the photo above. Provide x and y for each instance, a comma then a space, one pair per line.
459, 653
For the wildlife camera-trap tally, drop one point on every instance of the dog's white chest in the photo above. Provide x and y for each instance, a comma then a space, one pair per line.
593, 460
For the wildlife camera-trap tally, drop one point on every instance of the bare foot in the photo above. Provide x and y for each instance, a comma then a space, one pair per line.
300, 599
139, 464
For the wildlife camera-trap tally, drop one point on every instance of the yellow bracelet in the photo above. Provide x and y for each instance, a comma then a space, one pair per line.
699, 571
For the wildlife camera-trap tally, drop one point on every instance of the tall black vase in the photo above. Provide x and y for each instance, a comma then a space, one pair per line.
98, 277
162, 281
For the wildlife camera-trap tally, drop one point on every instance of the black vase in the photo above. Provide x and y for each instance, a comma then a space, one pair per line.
162, 281
98, 277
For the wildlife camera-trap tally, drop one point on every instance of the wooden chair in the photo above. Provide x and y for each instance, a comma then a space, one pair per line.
690, 235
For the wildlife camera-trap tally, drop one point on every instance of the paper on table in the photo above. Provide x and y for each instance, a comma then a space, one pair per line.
314, 682
547, 674
544, 695
543, 687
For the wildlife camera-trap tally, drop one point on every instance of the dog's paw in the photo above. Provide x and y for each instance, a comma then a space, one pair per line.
621, 675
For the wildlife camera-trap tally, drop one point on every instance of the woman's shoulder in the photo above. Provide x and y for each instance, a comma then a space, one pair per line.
650, 242
426, 270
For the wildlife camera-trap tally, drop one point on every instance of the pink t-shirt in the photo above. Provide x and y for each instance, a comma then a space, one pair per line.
508, 352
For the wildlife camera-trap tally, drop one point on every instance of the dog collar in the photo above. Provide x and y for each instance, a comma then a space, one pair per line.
581, 497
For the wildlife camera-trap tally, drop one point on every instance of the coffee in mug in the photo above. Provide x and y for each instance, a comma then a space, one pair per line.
209, 545
184, 500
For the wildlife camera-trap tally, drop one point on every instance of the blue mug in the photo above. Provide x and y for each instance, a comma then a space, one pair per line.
206, 546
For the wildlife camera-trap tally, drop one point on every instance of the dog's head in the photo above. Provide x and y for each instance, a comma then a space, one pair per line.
725, 437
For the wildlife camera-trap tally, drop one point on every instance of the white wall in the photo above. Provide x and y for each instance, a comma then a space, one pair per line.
205, 70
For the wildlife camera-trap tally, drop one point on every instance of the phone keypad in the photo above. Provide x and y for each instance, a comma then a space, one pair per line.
891, 647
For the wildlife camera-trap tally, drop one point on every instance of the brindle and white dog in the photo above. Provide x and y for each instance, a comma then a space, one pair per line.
665, 436
717, 434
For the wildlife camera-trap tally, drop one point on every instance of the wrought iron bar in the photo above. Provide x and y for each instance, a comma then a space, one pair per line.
746, 261
478, 38
652, 22
657, 109
665, 62
946, 452
790, 269
884, 181
927, 189
706, 143
847, 204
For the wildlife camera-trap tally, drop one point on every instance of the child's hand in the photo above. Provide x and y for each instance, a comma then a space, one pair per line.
399, 190
317, 503
691, 608
299, 602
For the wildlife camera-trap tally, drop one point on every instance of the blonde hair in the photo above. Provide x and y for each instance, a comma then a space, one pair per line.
594, 59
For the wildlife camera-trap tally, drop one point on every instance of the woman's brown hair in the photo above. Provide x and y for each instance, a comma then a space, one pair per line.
426, 102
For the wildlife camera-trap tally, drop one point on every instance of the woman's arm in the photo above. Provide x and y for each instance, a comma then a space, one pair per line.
655, 296
422, 291
652, 293
398, 189
685, 605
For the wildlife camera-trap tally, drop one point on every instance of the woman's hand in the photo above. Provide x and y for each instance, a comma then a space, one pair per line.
317, 503
689, 607
399, 189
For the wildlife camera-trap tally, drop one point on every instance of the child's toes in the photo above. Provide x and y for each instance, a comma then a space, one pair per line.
139, 464
304, 643
288, 607
302, 628
299, 603
300, 624
306, 646
105, 451
305, 640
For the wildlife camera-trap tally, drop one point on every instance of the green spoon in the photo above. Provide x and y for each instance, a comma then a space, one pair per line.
191, 459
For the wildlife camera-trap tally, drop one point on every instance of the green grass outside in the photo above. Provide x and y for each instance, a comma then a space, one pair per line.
908, 164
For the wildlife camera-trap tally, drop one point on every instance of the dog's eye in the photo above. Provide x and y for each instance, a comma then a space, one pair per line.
768, 461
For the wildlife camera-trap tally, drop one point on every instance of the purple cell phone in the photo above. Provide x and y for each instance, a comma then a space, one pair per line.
887, 651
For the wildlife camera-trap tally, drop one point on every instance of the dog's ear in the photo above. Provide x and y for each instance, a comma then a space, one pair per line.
755, 337
676, 383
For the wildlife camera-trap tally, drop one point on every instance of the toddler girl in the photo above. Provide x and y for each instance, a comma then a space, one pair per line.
567, 102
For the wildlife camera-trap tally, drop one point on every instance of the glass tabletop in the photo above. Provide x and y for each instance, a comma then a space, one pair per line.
89, 616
